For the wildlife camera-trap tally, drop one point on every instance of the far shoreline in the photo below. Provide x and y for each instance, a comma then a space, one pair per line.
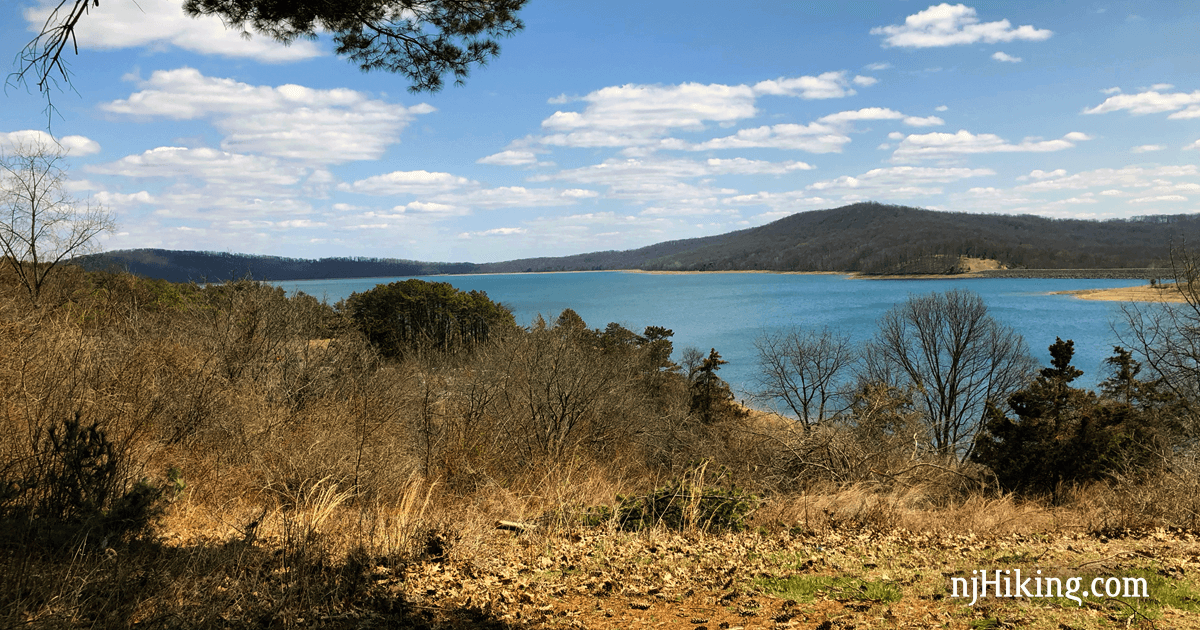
1145, 293
990, 274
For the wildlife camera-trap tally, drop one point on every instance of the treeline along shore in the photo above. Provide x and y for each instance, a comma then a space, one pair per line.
865, 238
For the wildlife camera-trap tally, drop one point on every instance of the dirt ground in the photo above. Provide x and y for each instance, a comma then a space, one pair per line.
1145, 293
726, 582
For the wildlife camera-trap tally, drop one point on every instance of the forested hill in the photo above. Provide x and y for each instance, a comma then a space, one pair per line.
878, 238
184, 266
864, 237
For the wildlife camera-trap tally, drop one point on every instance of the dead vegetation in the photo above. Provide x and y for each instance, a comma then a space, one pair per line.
264, 466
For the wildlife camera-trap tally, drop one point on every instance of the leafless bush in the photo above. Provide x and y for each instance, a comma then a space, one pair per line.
804, 370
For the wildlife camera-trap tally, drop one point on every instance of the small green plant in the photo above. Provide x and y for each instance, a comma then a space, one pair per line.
685, 502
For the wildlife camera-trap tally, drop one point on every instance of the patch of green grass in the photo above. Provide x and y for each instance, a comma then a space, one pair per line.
805, 588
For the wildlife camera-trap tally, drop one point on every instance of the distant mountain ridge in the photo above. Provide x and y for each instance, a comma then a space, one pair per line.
868, 238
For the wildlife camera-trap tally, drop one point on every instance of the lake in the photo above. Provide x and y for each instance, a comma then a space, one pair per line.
727, 311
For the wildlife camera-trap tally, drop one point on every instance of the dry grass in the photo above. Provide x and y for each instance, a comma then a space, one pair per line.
326, 488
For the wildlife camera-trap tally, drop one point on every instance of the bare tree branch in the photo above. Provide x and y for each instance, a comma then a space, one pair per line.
41, 224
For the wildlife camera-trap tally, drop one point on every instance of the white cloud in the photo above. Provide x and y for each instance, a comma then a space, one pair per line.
292, 121
868, 113
635, 114
813, 138
951, 145
510, 158
950, 25
865, 81
511, 197
1159, 198
119, 200
505, 231
1146, 148
941, 108
1127, 177
897, 181
74, 145
825, 85
1111, 90
742, 166
659, 179
155, 23
879, 65
1152, 102
407, 183
233, 172
1002, 56
927, 121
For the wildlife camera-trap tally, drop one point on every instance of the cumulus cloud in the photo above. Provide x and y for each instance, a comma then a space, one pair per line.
233, 172
1001, 56
512, 197
951, 25
1146, 148
1108, 178
407, 183
822, 86
897, 181
661, 179
927, 121
1184, 105
504, 231
510, 158
1159, 199
953, 145
813, 138
161, 22
636, 114
637, 117
73, 145
291, 121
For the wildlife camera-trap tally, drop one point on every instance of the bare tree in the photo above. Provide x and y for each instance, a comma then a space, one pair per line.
957, 358
801, 369
41, 224
1167, 335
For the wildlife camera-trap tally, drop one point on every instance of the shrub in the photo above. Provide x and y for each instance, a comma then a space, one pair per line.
687, 502
73, 489
402, 316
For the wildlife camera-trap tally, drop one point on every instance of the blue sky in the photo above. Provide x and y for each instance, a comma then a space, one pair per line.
620, 124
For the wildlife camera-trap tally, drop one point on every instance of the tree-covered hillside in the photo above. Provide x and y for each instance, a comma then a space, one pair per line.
868, 238
878, 238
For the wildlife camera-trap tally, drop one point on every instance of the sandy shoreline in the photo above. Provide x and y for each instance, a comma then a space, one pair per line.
1144, 293
787, 273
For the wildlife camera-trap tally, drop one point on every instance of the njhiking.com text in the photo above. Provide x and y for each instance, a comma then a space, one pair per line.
1010, 583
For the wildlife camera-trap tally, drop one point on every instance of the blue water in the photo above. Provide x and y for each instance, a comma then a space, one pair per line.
727, 311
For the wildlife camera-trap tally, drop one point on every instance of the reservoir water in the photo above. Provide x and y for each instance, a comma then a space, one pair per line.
727, 311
